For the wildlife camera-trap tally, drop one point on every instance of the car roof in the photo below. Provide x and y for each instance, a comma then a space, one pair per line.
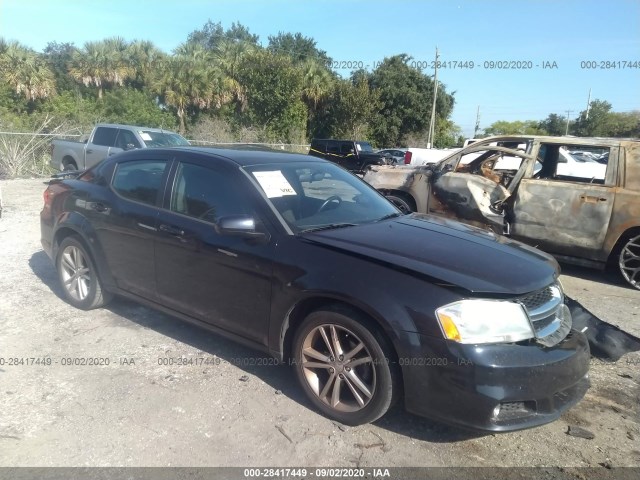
246, 155
134, 127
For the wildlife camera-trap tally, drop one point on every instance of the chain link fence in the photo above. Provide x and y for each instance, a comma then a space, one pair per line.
28, 154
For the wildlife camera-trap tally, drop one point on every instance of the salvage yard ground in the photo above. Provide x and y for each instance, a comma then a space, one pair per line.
235, 411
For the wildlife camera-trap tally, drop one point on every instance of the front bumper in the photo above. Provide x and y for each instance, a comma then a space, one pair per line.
494, 387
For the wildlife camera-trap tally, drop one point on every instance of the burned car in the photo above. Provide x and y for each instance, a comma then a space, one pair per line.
531, 188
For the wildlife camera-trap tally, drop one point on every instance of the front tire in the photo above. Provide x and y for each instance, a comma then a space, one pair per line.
344, 367
401, 203
78, 276
629, 261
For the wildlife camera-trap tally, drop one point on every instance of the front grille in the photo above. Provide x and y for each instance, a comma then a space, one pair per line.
549, 316
537, 299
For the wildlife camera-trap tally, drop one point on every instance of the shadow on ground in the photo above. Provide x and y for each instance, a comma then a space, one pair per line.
279, 377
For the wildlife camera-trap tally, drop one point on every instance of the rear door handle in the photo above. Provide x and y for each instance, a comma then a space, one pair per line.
171, 230
89, 151
592, 199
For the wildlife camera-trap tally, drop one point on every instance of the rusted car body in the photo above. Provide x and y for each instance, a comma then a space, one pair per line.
515, 185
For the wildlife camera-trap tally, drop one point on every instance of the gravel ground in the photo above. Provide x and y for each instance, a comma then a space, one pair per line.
138, 412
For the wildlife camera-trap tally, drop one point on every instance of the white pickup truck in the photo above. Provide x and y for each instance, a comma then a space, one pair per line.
105, 140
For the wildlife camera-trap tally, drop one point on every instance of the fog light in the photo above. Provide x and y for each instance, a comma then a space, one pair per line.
496, 411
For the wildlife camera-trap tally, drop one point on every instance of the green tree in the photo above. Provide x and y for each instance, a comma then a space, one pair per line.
25, 71
502, 127
182, 84
554, 124
145, 59
213, 33
274, 91
58, 56
602, 122
406, 96
102, 64
298, 47
133, 107
350, 110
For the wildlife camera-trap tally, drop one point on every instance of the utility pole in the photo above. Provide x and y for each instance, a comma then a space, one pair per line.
566, 132
588, 105
432, 125
477, 129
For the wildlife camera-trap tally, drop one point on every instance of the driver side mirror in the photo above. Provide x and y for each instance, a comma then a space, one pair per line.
240, 225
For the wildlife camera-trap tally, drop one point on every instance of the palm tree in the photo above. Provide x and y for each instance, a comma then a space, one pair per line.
317, 82
25, 71
102, 63
182, 83
229, 54
145, 59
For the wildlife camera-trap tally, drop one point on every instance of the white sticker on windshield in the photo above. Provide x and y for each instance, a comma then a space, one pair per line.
274, 184
145, 136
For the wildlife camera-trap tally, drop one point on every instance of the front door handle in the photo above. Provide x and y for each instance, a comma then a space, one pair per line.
171, 230
89, 151
99, 207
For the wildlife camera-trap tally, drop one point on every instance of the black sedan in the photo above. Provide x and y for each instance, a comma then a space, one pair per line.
299, 258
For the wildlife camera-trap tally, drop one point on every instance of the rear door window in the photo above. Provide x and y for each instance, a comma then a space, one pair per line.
139, 181
105, 136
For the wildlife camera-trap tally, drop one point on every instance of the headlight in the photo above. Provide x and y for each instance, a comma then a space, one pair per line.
484, 321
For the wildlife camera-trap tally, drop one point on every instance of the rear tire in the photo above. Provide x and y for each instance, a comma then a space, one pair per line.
69, 166
629, 261
344, 368
78, 276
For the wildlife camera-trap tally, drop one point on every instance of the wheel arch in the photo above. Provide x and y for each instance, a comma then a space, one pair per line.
68, 159
76, 225
310, 304
404, 194
617, 247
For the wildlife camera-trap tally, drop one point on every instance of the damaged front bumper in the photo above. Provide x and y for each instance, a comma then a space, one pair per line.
498, 387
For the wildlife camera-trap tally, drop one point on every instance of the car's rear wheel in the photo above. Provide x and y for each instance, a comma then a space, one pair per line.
629, 261
78, 276
344, 367
69, 166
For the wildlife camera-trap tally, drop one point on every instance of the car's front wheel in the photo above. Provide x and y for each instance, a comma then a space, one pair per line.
344, 368
401, 202
78, 276
629, 261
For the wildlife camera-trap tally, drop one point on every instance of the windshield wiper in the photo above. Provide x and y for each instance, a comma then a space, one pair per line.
328, 227
391, 215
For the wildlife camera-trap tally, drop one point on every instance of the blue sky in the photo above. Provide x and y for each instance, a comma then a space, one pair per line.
564, 32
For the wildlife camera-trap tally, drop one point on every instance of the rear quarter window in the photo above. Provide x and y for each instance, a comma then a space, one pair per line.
139, 181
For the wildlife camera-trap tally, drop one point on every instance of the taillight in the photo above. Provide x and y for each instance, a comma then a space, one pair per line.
51, 148
407, 157
48, 196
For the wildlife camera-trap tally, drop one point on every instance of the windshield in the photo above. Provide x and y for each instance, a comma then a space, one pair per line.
364, 147
312, 196
162, 139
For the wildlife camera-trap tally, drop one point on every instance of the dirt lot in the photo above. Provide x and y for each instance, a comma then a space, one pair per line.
137, 412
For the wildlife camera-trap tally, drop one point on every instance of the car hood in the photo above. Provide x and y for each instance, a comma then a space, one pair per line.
448, 252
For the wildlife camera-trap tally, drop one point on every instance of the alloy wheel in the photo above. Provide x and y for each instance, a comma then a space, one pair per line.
338, 367
76, 275
630, 261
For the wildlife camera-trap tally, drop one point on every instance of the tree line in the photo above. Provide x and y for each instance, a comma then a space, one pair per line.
221, 84
597, 121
